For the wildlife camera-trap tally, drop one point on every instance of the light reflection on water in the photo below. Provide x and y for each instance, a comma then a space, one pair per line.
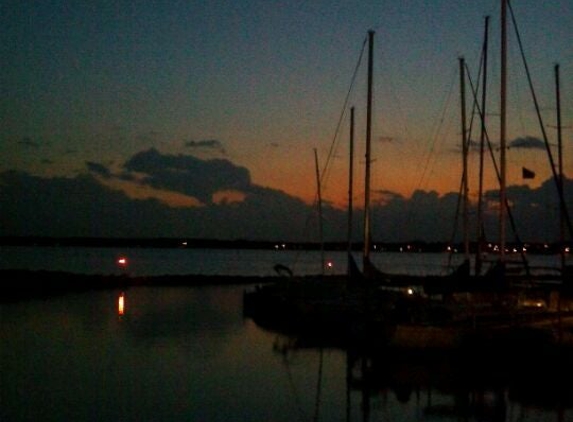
188, 354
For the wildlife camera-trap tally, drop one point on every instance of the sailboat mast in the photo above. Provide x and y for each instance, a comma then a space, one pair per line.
368, 134
319, 213
350, 181
464, 160
480, 235
560, 158
502, 132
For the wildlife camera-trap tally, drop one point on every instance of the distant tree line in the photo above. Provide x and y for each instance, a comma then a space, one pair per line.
413, 247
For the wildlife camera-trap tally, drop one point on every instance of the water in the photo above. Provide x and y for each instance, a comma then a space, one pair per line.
187, 354
149, 261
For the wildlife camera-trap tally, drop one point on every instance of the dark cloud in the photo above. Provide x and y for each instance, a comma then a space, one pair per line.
98, 169
84, 206
527, 142
127, 176
384, 196
188, 175
425, 216
64, 206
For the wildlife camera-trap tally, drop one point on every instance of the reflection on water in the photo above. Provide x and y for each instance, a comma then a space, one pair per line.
388, 386
443, 388
188, 354
121, 304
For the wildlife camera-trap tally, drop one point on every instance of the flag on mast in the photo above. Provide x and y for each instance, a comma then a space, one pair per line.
527, 174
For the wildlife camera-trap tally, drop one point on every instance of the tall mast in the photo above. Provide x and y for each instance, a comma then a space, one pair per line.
480, 239
464, 160
368, 133
560, 158
319, 213
350, 183
502, 131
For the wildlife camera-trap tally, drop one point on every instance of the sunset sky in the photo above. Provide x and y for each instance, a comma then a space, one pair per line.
88, 87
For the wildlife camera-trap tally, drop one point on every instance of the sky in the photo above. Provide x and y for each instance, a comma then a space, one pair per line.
202, 119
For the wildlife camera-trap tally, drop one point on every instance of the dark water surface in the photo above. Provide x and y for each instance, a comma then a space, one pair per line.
238, 262
187, 354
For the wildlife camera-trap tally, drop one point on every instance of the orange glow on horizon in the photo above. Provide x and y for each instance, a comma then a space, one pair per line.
137, 191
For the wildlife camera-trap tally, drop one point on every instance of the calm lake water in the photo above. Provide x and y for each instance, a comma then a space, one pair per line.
149, 261
188, 354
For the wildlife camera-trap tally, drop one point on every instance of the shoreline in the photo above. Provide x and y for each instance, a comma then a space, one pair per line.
413, 246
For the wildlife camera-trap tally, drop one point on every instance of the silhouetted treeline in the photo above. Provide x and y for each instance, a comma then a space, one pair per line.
106, 242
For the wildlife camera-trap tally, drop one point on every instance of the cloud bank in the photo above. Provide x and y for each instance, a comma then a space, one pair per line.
88, 205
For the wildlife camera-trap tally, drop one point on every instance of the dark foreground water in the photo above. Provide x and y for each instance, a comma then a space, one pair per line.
187, 354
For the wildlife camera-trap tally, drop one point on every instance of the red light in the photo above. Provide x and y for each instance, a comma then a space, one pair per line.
122, 262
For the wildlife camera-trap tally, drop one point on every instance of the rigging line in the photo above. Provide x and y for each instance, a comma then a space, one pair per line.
325, 171
474, 106
542, 126
490, 147
456, 218
498, 175
467, 141
434, 139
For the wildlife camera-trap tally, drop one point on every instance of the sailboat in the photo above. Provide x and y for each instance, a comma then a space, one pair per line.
362, 304
315, 309
406, 284
412, 311
368, 302
486, 310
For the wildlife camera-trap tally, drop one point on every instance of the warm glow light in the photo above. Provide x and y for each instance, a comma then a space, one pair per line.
410, 291
121, 304
122, 261
329, 264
